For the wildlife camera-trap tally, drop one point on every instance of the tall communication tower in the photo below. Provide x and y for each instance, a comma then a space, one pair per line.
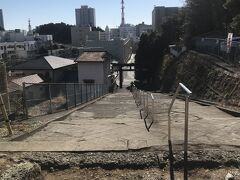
123, 18
29, 26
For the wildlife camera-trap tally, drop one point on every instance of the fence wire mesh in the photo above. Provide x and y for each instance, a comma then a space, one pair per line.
13, 102
219, 48
42, 99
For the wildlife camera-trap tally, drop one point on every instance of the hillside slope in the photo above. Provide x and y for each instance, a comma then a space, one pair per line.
208, 77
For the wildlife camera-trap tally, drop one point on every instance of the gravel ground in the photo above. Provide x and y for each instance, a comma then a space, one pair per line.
143, 174
206, 164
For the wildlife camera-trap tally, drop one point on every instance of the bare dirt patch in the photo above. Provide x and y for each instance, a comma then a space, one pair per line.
143, 174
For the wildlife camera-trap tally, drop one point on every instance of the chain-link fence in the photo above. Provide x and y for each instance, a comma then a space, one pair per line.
13, 102
219, 48
47, 98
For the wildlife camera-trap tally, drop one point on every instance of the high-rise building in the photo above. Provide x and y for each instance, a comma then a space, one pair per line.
85, 17
161, 14
143, 28
1, 19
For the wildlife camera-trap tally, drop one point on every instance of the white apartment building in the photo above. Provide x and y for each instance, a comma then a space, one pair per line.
17, 50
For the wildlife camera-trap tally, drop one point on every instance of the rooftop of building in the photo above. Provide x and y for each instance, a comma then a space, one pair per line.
16, 83
93, 56
45, 63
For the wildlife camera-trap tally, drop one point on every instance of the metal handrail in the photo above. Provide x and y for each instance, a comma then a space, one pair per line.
172, 102
188, 94
143, 102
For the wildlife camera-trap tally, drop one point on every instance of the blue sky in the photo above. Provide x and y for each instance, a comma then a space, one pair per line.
108, 12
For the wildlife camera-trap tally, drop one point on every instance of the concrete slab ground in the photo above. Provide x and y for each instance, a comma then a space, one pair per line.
114, 124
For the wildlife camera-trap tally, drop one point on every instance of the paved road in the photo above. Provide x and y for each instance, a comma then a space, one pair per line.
128, 76
114, 124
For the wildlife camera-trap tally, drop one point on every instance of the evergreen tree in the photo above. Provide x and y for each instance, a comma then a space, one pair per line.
61, 32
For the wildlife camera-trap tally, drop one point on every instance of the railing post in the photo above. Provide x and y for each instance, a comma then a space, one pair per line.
147, 102
169, 111
143, 99
153, 108
186, 125
50, 98
186, 138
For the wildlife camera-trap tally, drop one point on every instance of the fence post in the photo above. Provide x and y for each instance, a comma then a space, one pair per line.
50, 97
97, 88
75, 94
81, 93
66, 91
25, 100
99, 94
90, 85
86, 93
94, 91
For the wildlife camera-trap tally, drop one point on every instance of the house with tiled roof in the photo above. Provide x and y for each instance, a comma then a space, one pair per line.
16, 84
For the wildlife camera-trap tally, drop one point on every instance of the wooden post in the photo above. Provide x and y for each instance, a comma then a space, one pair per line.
4, 112
4, 86
25, 100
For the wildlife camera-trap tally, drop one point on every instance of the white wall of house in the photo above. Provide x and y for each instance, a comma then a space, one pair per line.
91, 71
